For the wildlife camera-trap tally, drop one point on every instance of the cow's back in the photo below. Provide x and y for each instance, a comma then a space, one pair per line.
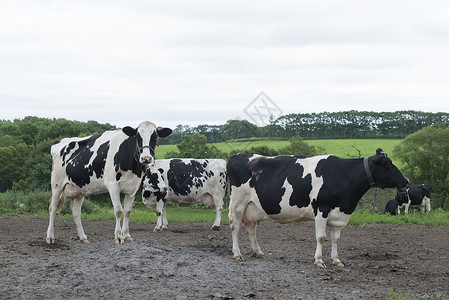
190, 179
89, 164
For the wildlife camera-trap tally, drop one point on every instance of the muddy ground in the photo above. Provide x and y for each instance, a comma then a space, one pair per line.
191, 262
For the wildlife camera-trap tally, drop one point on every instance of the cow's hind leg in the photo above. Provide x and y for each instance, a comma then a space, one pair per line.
236, 211
335, 235
75, 205
218, 202
251, 218
56, 197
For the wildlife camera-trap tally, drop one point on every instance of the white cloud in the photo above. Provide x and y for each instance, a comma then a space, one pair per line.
201, 62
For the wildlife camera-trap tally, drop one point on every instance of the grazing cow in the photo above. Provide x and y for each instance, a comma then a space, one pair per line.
418, 195
324, 189
392, 207
113, 162
189, 181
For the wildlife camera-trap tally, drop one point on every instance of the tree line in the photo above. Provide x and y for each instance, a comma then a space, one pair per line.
25, 160
345, 124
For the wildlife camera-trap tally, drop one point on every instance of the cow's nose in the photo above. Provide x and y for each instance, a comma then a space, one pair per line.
146, 159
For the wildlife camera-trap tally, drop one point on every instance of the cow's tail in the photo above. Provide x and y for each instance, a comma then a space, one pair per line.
60, 203
228, 191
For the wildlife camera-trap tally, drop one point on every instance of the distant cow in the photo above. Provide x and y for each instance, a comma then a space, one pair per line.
324, 189
189, 181
392, 207
418, 195
113, 162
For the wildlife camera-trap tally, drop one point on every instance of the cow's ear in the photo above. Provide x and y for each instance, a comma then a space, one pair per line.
164, 132
129, 131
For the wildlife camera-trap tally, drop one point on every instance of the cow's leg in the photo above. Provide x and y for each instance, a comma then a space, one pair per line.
427, 203
335, 235
236, 210
406, 205
128, 205
164, 218
320, 233
75, 205
218, 201
118, 212
251, 218
56, 197
160, 210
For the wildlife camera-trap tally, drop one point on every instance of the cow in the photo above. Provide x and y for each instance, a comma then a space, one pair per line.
113, 161
189, 181
418, 195
324, 189
392, 207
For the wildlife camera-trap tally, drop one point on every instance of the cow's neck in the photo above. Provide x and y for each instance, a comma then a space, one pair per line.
359, 183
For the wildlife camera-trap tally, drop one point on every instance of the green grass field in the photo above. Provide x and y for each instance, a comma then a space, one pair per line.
341, 148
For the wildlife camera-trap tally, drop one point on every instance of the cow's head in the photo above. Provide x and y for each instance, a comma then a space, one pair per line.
146, 135
402, 196
385, 173
154, 189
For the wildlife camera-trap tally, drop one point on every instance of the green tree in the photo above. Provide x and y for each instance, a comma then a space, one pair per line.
195, 146
298, 146
238, 129
425, 154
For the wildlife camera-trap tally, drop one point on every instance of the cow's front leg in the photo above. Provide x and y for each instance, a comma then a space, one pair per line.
320, 232
160, 213
76, 205
335, 235
118, 212
128, 204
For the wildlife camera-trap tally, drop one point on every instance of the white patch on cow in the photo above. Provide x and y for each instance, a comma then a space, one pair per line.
337, 219
309, 164
290, 213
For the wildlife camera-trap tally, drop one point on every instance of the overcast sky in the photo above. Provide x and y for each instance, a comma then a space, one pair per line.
205, 62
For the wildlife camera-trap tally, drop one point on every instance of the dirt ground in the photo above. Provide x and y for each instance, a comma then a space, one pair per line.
191, 262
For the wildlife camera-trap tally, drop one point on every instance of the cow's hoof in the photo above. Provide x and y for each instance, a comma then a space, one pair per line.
50, 240
117, 241
238, 257
156, 229
320, 264
215, 227
258, 255
84, 241
128, 239
339, 264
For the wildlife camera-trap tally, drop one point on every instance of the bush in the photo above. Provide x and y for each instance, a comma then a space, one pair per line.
24, 202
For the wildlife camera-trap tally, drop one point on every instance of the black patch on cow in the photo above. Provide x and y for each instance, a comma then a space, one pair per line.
126, 157
340, 185
237, 169
417, 192
76, 165
183, 176
99, 161
118, 176
153, 179
269, 176
66, 150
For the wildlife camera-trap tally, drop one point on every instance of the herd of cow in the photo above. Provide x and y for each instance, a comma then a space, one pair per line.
324, 189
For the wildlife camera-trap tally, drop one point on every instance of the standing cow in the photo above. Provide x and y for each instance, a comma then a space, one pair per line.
113, 162
323, 189
418, 195
189, 181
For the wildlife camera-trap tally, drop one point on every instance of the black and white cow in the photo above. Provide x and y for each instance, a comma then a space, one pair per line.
392, 207
189, 181
418, 195
323, 189
113, 162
